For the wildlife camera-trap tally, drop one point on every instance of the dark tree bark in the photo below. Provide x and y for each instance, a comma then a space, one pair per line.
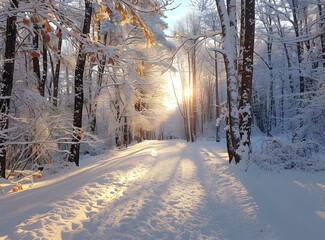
57, 72
271, 101
321, 8
78, 87
245, 94
217, 98
7, 82
44, 74
35, 58
239, 77
298, 45
118, 121
125, 132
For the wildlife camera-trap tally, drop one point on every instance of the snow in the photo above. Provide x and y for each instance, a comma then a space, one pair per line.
167, 190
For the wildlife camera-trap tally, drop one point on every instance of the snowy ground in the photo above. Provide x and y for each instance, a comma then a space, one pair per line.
167, 190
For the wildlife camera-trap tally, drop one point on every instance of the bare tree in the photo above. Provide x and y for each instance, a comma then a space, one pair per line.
56, 75
78, 88
7, 81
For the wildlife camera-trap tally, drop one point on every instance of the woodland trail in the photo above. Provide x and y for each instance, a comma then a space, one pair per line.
152, 190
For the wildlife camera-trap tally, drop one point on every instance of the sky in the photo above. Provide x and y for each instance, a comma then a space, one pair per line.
181, 8
176, 14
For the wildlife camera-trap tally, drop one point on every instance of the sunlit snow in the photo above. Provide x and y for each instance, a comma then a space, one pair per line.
166, 190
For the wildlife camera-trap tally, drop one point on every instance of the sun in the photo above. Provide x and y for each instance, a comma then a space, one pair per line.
175, 86
187, 93
169, 101
175, 92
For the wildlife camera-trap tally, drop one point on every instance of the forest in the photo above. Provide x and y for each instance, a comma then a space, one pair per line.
81, 77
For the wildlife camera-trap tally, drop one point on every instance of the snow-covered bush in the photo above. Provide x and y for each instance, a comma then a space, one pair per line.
277, 154
36, 132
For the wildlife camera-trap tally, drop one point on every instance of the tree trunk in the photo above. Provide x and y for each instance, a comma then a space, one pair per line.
270, 103
321, 7
44, 75
57, 71
298, 46
217, 98
7, 82
286, 50
245, 102
35, 58
101, 69
78, 81
125, 132
214, 28
118, 121
282, 107
194, 91
229, 30
189, 104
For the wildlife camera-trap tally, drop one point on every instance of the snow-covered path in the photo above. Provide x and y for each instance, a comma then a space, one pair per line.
164, 190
